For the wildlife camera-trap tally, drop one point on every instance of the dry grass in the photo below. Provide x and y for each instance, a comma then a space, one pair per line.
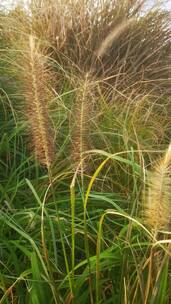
35, 77
81, 121
135, 46
108, 66
124, 49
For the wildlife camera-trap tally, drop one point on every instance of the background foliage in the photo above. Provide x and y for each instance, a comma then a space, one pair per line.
85, 119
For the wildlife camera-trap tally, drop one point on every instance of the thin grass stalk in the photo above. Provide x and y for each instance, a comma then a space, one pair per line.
72, 191
60, 233
43, 241
46, 256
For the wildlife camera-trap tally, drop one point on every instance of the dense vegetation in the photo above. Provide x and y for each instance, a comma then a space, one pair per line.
85, 155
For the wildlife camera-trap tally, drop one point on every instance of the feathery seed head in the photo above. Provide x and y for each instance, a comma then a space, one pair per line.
35, 77
81, 121
157, 207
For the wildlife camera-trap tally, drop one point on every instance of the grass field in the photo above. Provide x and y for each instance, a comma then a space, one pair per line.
85, 153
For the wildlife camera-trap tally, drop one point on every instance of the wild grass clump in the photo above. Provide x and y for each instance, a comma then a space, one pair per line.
124, 50
120, 44
87, 84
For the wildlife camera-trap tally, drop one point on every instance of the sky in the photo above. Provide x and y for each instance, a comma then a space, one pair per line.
11, 3
163, 3
167, 4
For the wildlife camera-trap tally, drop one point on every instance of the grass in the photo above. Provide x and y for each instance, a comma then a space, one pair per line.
85, 130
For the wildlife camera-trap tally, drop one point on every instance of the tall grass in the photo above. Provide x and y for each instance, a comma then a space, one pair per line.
86, 85
35, 79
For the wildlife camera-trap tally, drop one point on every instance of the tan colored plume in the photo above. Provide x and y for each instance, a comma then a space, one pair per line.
81, 122
113, 35
35, 78
157, 207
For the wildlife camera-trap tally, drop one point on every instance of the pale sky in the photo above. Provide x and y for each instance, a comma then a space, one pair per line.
12, 3
163, 3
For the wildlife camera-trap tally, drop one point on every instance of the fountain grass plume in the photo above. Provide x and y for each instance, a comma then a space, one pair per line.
157, 207
35, 78
81, 121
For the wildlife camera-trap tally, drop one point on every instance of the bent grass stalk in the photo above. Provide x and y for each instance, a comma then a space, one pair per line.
116, 213
70, 276
45, 251
90, 185
22, 277
112, 36
71, 284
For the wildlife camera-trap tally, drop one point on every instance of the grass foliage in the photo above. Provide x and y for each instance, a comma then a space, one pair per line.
85, 92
